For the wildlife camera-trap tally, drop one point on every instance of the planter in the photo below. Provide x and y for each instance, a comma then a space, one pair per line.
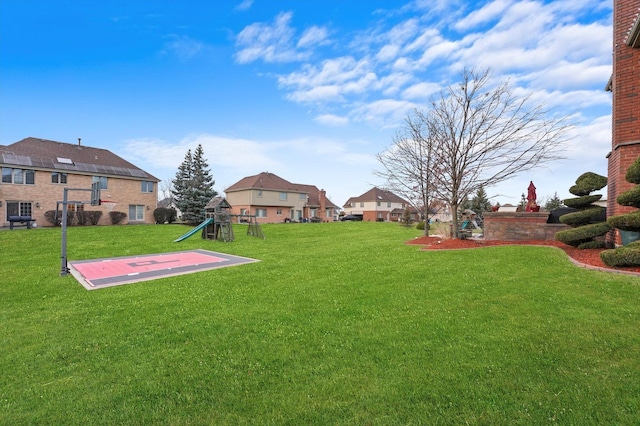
628, 236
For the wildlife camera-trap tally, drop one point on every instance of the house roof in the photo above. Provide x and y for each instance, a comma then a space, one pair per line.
633, 39
271, 182
376, 194
53, 155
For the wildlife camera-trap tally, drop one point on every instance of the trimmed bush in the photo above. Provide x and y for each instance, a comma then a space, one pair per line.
630, 254
117, 217
587, 183
94, 216
622, 256
56, 220
82, 217
581, 236
581, 202
626, 222
582, 217
165, 215
630, 197
589, 222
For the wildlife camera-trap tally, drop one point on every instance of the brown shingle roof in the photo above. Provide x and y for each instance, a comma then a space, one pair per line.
47, 154
376, 194
272, 182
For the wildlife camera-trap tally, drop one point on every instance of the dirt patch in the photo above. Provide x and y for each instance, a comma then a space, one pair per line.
588, 257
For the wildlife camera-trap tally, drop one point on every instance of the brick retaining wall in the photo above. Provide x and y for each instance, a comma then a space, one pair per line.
520, 226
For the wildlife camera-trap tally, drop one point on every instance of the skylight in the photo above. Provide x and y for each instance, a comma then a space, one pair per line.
64, 160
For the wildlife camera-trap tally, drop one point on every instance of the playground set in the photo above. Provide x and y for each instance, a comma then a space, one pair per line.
217, 224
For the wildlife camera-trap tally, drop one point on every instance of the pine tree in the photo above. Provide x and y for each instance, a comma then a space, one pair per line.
193, 186
480, 202
553, 203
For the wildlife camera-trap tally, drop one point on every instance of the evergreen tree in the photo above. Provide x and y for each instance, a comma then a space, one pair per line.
480, 202
553, 202
193, 186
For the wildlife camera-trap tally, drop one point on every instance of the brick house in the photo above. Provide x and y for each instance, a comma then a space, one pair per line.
36, 171
378, 205
625, 88
273, 199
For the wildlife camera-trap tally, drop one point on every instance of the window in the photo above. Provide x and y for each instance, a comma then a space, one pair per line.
136, 213
279, 212
388, 203
102, 180
361, 203
259, 193
378, 203
244, 212
18, 208
147, 186
58, 177
303, 197
283, 196
18, 176
261, 212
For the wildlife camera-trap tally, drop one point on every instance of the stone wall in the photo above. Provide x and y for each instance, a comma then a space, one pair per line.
520, 226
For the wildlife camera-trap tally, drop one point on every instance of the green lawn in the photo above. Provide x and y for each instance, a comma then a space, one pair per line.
340, 323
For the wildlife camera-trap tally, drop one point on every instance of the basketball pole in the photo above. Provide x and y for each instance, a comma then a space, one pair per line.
95, 201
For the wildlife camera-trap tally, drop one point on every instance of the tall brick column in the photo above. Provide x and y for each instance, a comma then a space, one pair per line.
625, 88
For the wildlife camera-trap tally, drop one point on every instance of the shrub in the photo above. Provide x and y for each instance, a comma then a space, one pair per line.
164, 214
626, 222
589, 222
82, 217
51, 217
56, 218
622, 256
582, 217
421, 225
630, 254
578, 237
581, 202
630, 197
117, 217
587, 183
94, 216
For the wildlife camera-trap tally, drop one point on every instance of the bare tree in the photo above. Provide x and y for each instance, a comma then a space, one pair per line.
481, 135
409, 165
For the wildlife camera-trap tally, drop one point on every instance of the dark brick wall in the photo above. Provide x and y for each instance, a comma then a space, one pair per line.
520, 226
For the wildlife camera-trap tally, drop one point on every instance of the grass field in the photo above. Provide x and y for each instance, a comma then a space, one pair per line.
339, 323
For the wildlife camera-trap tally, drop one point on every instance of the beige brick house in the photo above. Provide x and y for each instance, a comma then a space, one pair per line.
378, 205
36, 171
273, 199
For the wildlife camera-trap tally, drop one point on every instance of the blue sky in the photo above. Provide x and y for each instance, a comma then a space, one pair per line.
310, 90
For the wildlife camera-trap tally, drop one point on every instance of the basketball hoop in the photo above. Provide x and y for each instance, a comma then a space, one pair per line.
108, 204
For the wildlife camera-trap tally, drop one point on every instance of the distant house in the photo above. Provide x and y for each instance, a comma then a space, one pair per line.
36, 171
273, 199
378, 205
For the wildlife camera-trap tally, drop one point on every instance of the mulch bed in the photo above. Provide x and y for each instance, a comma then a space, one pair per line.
588, 257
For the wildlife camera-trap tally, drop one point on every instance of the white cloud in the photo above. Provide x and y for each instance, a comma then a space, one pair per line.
486, 13
313, 36
332, 120
244, 5
271, 43
182, 46
421, 91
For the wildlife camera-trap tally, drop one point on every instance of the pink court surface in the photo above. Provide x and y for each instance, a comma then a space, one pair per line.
100, 273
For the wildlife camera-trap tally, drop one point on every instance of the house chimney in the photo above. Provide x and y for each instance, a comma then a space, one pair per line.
79, 141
